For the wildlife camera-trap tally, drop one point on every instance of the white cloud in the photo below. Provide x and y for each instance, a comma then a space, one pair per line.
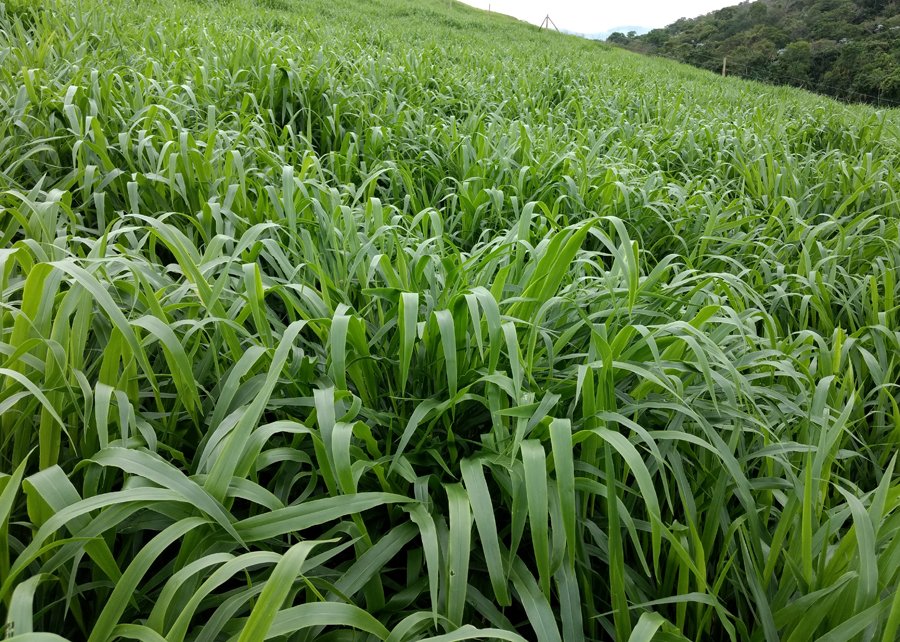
586, 16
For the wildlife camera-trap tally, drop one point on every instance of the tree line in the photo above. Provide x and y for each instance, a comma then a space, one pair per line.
849, 49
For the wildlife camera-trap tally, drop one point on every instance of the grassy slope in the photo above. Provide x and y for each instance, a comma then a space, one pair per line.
526, 332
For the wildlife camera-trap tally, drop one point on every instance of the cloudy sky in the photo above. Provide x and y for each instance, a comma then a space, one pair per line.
592, 16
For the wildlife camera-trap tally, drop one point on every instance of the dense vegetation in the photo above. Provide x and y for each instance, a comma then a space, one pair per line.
849, 49
395, 320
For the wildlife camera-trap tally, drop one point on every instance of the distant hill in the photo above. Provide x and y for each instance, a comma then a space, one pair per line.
849, 49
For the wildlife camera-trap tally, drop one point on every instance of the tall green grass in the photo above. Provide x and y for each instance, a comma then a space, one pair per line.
326, 320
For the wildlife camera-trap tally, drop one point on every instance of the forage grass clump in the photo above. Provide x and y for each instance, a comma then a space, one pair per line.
396, 320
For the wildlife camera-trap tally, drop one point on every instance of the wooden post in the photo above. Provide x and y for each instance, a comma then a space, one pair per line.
724, 65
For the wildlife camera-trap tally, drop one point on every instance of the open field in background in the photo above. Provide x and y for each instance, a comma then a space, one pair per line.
329, 320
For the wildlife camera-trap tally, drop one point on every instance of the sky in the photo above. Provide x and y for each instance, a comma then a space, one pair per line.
594, 16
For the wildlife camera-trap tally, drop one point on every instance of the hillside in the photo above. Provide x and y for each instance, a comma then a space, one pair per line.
398, 320
849, 49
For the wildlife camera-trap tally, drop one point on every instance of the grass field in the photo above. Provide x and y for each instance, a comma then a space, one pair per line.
331, 320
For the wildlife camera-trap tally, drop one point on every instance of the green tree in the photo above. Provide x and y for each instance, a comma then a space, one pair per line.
795, 64
759, 12
846, 48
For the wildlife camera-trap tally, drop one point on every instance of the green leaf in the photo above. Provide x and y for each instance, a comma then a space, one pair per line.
311, 513
158, 471
306, 616
409, 311
563, 461
536, 606
149, 555
647, 626
275, 591
538, 507
458, 551
483, 511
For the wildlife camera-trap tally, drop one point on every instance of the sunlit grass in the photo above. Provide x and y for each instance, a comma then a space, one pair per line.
398, 321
